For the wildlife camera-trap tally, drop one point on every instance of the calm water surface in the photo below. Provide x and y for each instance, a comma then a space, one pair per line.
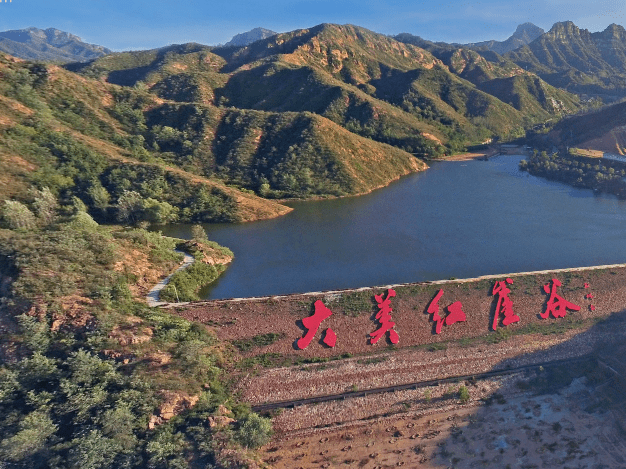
457, 219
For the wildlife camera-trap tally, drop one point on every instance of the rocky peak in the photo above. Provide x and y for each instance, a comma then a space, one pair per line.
565, 30
256, 34
527, 32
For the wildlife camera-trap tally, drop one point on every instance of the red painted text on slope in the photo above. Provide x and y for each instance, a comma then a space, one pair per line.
504, 305
312, 324
557, 305
384, 318
455, 312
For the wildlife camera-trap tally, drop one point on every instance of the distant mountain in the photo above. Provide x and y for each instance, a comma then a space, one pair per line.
524, 34
49, 45
575, 59
370, 84
243, 39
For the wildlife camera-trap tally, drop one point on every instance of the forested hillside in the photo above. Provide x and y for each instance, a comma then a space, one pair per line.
91, 154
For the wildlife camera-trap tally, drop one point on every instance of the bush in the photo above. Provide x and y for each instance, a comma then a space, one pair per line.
184, 284
254, 431
464, 394
17, 215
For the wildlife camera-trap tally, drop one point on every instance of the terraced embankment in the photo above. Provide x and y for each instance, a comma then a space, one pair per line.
326, 434
266, 329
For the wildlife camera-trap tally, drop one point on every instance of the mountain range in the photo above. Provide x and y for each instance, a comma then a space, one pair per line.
326, 111
575, 59
48, 45
524, 34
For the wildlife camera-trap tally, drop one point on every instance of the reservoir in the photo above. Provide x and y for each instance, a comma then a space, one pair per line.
457, 219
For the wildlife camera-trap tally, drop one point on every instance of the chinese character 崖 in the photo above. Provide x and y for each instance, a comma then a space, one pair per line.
504, 305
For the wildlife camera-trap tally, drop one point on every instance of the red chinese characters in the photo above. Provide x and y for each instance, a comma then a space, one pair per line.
455, 312
557, 305
312, 323
590, 296
504, 305
433, 308
384, 318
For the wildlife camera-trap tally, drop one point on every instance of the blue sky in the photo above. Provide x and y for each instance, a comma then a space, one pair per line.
142, 24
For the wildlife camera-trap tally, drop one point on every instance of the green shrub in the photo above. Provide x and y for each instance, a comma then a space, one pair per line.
184, 284
254, 431
464, 394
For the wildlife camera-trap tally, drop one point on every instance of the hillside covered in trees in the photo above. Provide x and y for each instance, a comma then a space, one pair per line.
93, 153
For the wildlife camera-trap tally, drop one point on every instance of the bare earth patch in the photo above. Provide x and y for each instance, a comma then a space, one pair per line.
518, 429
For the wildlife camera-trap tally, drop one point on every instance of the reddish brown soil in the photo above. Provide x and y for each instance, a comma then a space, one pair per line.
518, 429
412, 428
354, 312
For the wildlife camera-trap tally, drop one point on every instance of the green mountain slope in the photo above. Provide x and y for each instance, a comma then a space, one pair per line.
370, 84
577, 60
503, 79
83, 138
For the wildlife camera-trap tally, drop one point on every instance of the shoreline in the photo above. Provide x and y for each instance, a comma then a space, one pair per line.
483, 155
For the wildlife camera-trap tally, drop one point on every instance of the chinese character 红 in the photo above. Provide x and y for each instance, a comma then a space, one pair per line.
455, 312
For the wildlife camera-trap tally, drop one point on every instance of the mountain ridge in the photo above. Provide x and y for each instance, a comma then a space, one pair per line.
524, 34
49, 45
248, 37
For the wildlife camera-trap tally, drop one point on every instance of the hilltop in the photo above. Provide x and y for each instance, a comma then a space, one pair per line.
243, 39
48, 45
524, 34
577, 60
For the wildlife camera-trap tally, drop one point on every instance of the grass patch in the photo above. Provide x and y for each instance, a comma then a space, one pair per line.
261, 340
184, 284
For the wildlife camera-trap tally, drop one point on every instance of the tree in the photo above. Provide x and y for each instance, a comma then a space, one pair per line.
18, 216
159, 212
129, 207
32, 436
45, 205
198, 234
254, 431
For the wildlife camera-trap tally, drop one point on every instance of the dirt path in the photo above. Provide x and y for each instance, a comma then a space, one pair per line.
153, 295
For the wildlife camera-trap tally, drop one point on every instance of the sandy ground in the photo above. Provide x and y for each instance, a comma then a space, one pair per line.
514, 430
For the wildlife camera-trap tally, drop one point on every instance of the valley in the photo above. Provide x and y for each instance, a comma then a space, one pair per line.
116, 165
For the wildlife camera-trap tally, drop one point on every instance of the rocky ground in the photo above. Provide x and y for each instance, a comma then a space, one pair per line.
525, 425
514, 429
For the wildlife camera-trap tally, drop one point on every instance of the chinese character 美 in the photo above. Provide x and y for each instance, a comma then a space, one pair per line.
312, 323
384, 318
557, 305
504, 305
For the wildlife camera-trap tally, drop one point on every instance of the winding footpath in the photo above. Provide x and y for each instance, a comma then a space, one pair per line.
153, 295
